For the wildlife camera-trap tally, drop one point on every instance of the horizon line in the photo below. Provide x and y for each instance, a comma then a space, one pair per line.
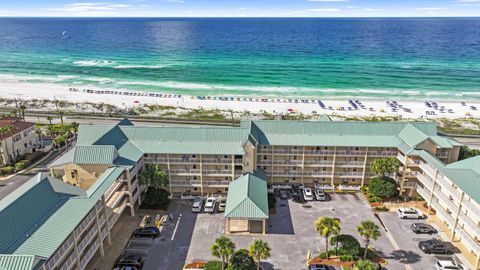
245, 17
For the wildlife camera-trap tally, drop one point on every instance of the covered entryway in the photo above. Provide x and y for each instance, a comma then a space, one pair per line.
247, 205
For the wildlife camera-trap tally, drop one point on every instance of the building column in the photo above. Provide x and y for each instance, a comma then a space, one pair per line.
303, 163
272, 157
168, 174
105, 213
454, 230
333, 167
227, 225
264, 227
431, 195
477, 264
99, 234
364, 167
130, 197
201, 174
402, 180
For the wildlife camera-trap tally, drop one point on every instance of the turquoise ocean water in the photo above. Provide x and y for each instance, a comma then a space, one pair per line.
435, 58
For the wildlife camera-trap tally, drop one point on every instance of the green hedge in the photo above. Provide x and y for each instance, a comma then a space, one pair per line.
383, 187
155, 199
213, 265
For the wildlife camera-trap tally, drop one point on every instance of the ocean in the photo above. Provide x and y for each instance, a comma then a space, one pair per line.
404, 58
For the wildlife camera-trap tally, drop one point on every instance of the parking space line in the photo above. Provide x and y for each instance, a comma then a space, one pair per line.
176, 227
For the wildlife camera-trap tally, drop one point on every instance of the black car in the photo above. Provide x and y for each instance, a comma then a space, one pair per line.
152, 232
126, 268
436, 246
320, 267
129, 261
423, 228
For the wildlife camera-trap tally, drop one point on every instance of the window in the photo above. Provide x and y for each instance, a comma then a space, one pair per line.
294, 178
265, 157
294, 168
195, 189
353, 180
225, 156
324, 169
325, 158
226, 167
326, 148
354, 169
318, 148
194, 178
193, 156
194, 166
356, 148
355, 159
294, 157
226, 189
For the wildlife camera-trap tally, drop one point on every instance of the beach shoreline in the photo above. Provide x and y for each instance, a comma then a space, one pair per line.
355, 106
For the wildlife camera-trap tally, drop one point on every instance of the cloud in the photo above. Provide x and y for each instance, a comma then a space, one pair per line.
432, 8
322, 10
91, 9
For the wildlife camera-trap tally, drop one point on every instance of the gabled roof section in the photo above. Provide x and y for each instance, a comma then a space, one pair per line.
89, 134
412, 135
17, 262
95, 154
247, 198
27, 209
469, 163
64, 159
125, 122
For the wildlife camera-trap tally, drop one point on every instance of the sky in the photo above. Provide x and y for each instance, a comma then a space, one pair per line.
241, 8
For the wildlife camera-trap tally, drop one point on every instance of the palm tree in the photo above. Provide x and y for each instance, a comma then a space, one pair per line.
368, 230
327, 226
259, 250
152, 175
22, 111
49, 118
61, 114
336, 232
74, 128
223, 248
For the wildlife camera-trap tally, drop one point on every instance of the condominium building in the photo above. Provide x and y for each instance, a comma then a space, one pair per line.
21, 140
205, 160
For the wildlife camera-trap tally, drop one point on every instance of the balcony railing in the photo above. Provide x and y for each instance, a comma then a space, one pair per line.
382, 153
350, 153
318, 163
349, 164
408, 184
349, 174
292, 162
217, 172
320, 152
116, 198
470, 224
86, 258
426, 181
216, 183
185, 183
318, 174
401, 157
87, 239
112, 189
69, 262
422, 192
180, 172
443, 214
446, 201
472, 209
428, 169
277, 173
217, 161
444, 184
184, 160
60, 253
85, 222
288, 151
467, 240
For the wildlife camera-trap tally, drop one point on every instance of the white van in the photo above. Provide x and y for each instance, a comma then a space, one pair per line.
409, 213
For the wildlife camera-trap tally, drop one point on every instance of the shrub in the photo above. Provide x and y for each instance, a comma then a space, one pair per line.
323, 255
381, 209
155, 199
7, 169
346, 258
348, 244
19, 166
370, 253
374, 199
363, 189
383, 187
213, 265
240, 260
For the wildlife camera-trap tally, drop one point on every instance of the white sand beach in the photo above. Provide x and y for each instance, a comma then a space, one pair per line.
364, 107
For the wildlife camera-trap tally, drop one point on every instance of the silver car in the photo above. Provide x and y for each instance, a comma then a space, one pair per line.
222, 204
197, 205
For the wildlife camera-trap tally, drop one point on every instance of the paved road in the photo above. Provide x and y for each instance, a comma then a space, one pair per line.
7, 186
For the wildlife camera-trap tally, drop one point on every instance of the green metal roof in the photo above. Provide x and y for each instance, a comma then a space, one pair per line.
247, 198
94, 154
465, 173
43, 212
17, 262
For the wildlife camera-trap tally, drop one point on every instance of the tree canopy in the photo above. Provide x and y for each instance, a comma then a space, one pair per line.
385, 166
153, 176
327, 227
364, 265
383, 187
240, 260
223, 248
259, 250
369, 231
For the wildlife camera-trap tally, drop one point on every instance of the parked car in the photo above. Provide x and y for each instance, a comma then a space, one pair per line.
320, 195
409, 213
308, 194
320, 267
423, 228
436, 246
210, 205
197, 205
152, 232
448, 265
222, 204
283, 195
130, 260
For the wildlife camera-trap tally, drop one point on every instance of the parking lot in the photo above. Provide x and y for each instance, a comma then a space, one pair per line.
291, 235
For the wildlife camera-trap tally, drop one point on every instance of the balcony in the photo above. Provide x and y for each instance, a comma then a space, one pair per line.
262, 151
472, 209
184, 172
318, 163
444, 216
87, 239
320, 152
184, 160
218, 172
422, 192
238, 161
60, 253
112, 189
216, 183
278, 173
411, 174
445, 185
443, 199
430, 171
85, 223
470, 224
318, 174
86, 258
185, 183
382, 153
291, 162
349, 174
467, 240
116, 198
350, 153
288, 151
426, 181
350, 164
69, 262
217, 161
401, 157
408, 184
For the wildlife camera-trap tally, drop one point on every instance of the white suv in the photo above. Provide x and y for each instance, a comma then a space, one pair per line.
210, 205
308, 194
409, 213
